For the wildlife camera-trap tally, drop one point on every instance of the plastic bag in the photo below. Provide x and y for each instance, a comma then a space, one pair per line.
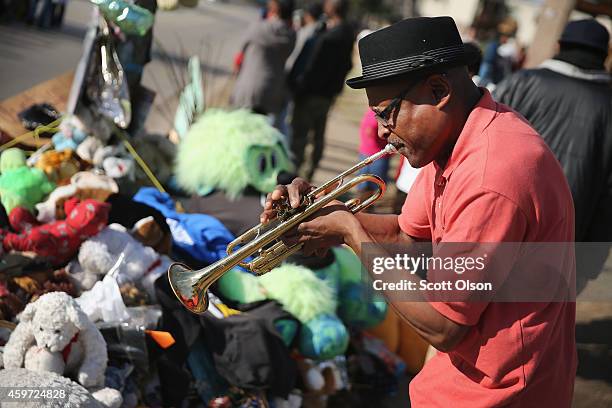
107, 87
104, 301
130, 18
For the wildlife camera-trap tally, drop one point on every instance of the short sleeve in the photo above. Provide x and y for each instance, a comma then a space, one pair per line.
413, 219
491, 219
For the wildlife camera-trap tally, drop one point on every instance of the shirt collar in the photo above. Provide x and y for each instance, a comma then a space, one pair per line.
481, 116
567, 69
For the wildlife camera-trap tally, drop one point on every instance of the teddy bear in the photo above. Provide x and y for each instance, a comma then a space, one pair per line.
140, 264
71, 133
59, 165
311, 300
198, 239
55, 335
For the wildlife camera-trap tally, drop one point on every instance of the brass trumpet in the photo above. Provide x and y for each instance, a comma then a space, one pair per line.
263, 241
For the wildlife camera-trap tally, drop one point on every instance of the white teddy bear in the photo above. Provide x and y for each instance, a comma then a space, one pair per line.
55, 335
141, 264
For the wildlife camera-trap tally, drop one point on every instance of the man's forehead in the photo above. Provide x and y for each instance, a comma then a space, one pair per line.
380, 93
377, 94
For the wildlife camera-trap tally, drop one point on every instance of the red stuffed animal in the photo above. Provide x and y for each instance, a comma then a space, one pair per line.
57, 241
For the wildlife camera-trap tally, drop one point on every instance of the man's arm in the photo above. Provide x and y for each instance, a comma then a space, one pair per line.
336, 225
437, 330
384, 228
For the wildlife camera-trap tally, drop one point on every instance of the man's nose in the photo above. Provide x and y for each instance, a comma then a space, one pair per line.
383, 132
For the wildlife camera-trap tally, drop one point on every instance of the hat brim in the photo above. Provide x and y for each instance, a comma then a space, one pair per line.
468, 57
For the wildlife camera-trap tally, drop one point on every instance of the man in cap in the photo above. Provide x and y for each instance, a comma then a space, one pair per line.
486, 176
567, 100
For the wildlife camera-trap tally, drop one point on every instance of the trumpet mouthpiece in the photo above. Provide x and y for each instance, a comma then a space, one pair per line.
390, 148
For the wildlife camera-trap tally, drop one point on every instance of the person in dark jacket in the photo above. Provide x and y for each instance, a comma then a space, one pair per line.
267, 45
321, 80
568, 101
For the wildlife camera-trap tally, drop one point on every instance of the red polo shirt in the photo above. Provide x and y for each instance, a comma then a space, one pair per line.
501, 184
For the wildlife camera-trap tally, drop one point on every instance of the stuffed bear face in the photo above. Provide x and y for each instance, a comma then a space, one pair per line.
54, 319
53, 332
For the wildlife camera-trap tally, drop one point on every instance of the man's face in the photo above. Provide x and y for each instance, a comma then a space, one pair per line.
417, 126
272, 7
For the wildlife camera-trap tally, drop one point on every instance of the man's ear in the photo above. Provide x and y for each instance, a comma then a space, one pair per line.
440, 89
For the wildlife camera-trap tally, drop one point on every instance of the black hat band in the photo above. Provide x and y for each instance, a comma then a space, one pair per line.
414, 61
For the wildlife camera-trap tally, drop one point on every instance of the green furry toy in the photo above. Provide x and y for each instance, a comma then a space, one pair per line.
325, 301
21, 186
228, 151
310, 299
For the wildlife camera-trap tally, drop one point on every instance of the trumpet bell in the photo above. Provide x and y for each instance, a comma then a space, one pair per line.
184, 283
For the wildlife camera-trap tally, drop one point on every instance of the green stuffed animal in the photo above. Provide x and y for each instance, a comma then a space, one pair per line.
20, 185
359, 306
228, 151
326, 301
311, 300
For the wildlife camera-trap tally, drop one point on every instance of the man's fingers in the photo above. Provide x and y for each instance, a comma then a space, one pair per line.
295, 193
268, 204
297, 189
269, 212
278, 193
307, 228
267, 215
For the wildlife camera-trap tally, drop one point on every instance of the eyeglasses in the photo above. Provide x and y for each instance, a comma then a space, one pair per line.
384, 117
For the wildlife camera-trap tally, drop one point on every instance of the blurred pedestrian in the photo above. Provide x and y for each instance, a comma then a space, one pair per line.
259, 85
57, 13
474, 67
568, 101
46, 13
501, 55
294, 67
320, 82
370, 143
304, 41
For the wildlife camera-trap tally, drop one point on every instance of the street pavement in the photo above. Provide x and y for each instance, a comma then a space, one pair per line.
214, 31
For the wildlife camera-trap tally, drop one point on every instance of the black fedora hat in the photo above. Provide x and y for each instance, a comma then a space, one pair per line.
411, 46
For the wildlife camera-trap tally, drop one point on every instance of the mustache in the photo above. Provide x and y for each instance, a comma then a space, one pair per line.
396, 142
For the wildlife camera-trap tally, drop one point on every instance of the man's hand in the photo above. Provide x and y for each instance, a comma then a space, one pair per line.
294, 192
327, 228
330, 226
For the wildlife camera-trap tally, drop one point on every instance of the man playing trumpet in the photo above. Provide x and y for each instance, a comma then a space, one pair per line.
487, 177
